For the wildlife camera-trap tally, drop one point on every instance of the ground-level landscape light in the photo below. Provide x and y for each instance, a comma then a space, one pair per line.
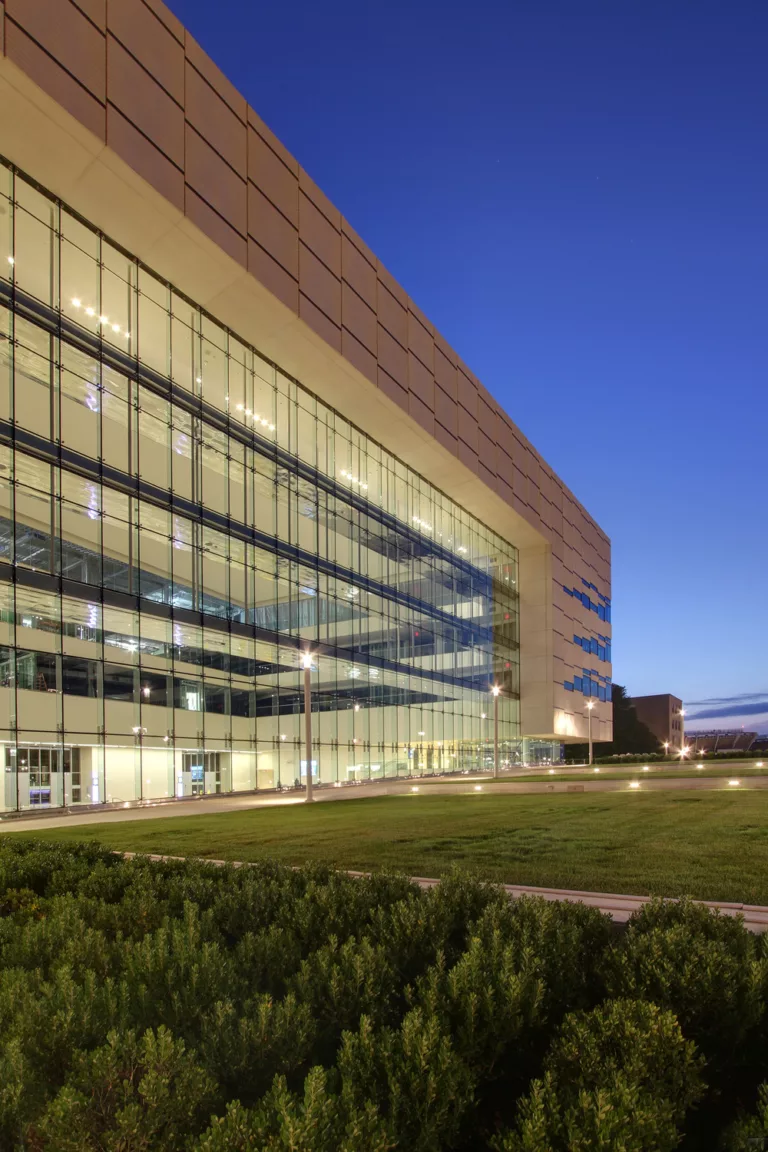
478, 787
645, 768
551, 771
595, 769
759, 764
734, 783
634, 784
414, 789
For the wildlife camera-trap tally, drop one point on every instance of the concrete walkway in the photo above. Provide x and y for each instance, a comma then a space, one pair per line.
432, 786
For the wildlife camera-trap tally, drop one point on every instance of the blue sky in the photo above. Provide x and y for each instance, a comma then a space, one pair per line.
576, 194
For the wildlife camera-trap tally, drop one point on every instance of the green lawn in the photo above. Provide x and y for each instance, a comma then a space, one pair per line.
711, 845
615, 772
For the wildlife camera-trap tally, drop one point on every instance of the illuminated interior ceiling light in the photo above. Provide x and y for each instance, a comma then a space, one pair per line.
282, 736
421, 733
90, 312
461, 549
115, 327
239, 407
198, 379
352, 479
103, 319
75, 302
11, 260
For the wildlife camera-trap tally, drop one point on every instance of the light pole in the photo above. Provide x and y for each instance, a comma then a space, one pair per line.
306, 660
496, 691
590, 706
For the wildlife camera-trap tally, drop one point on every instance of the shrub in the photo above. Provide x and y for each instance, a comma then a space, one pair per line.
750, 1132
412, 1076
700, 965
148, 1005
619, 1077
129, 1094
316, 1121
567, 941
488, 1000
21, 903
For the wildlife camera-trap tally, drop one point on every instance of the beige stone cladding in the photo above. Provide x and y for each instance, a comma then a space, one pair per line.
114, 107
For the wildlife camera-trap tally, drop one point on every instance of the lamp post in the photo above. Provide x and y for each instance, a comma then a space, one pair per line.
590, 706
496, 691
306, 661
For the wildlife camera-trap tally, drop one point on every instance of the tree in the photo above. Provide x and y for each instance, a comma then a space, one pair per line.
629, 733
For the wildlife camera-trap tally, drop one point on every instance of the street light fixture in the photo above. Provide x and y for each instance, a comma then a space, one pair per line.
590, 706
496, 690
306, 661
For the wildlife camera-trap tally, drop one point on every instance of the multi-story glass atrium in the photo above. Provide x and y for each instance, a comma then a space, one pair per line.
180, 520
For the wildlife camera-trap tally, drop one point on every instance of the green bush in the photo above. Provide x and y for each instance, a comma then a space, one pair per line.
315, 1121
620, 1077
130, 1093
181, 1006
750, 1132
703, 966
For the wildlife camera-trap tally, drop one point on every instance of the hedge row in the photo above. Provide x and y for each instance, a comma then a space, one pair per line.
182, 1007
629, 758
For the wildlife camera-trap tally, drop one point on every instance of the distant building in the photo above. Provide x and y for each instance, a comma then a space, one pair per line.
662, 715
721, 740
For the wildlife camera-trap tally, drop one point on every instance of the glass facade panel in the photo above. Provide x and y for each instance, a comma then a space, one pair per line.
184, 520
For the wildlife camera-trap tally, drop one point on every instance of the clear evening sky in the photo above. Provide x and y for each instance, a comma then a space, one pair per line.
576, 194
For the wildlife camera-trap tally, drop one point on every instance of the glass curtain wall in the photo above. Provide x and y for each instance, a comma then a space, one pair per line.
179, 521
